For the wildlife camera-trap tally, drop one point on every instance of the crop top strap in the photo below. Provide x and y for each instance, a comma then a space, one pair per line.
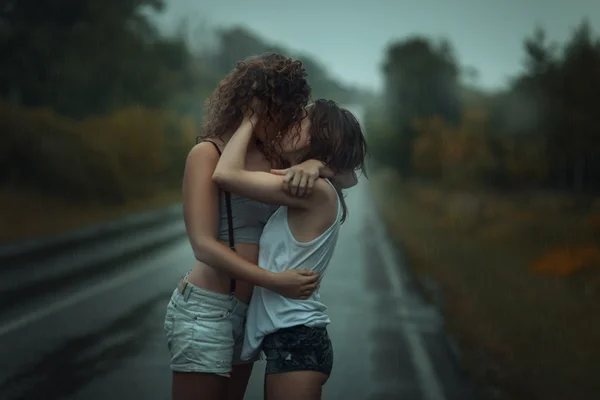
229, 215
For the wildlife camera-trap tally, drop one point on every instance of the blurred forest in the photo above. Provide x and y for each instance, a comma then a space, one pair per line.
542, 131
494, 198
97, 106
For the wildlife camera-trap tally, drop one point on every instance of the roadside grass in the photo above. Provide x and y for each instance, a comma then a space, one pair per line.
520, 276
28, 214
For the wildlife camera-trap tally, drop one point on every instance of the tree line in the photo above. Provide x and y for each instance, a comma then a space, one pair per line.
541, 131
97, 104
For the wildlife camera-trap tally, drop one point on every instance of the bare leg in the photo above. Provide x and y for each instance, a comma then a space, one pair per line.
240, 375
196, 385
300, 385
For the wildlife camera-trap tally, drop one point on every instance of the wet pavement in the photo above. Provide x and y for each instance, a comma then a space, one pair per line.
103, 339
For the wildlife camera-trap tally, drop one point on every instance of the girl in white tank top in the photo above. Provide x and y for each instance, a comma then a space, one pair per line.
301, 234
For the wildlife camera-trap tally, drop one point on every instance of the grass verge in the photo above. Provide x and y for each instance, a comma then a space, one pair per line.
29, 214
520, 276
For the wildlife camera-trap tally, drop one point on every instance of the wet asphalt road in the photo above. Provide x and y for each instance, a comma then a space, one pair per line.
103, 339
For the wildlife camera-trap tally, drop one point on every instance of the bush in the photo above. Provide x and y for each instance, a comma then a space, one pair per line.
130, 153
463, 155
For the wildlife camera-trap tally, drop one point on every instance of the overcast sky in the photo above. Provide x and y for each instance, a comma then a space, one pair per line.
349, 37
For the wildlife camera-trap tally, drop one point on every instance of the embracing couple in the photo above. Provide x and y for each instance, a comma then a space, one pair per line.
263, 208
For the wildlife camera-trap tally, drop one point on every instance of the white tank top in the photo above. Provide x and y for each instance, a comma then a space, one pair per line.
279, 251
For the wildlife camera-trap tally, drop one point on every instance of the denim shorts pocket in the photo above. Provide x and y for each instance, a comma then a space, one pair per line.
199, 310
211, 312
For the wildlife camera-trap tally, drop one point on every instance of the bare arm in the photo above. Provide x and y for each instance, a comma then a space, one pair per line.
300, 179
231, 174
201, 215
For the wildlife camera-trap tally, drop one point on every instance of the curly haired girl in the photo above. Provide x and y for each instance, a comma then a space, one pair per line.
274, 81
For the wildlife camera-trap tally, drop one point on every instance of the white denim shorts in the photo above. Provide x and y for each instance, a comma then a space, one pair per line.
205, 330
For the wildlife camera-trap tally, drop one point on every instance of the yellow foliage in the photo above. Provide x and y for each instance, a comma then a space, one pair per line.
566, 261
442, 150
594, 220
133, 139
129, 153
525, 159
428, 146
463, 153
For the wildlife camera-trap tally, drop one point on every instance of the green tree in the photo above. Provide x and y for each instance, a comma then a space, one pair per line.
580, 74
82, 56
556, 97
421, 80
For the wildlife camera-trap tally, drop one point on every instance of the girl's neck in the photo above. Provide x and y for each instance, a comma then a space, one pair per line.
295, 157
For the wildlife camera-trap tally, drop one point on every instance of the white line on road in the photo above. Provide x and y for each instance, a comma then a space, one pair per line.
83, 295
430, 384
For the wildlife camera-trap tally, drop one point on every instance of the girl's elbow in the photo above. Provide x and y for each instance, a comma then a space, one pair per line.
217, 176
224, 179
220, 177
201, 248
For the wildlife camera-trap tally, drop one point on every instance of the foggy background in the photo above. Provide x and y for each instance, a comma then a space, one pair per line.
482, 124
350, 37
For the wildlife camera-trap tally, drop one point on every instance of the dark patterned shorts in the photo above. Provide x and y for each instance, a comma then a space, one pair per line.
298, 348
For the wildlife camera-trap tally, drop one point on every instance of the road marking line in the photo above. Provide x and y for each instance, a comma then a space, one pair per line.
84, 294
389, 261
430, 384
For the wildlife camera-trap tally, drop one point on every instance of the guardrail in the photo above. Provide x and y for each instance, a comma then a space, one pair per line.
43, 265
44, 246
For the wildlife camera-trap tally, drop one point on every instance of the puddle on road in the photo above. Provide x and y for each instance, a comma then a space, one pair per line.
70, 367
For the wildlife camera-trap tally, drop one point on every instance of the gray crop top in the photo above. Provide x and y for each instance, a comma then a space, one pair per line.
249, 218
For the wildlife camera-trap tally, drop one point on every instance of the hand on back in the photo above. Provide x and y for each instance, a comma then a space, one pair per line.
295, 283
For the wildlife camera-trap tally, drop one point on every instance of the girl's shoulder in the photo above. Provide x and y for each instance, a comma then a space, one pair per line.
209, 143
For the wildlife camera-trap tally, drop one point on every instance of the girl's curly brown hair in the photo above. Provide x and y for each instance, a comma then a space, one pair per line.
277, 82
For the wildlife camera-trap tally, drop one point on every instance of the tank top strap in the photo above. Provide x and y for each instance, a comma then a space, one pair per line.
338, 192
213, 143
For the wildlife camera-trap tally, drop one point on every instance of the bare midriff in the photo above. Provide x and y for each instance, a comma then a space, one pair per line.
210, 278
